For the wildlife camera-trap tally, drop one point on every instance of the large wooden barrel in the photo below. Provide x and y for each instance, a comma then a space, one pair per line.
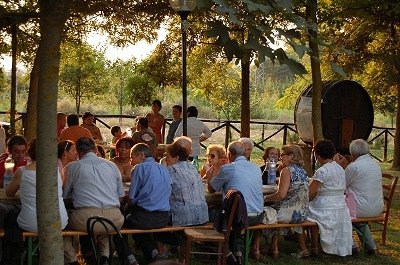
346, 109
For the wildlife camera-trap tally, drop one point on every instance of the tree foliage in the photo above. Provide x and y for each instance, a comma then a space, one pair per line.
140, 89
119, 74
215, 81
82, 72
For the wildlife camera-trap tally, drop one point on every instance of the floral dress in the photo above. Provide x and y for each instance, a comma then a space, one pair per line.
294, 208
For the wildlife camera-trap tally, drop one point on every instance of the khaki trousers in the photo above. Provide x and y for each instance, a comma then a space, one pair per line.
77, 221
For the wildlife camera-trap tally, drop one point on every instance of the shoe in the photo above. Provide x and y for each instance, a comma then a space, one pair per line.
104, 260
255, 254
355, 251
370, 252
301, 254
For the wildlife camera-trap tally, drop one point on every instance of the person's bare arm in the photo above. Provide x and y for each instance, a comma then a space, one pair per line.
283, 187
341, 160
313, 188
15, 183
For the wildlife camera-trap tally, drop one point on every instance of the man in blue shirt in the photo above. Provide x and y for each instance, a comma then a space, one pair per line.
240, 174
149, 194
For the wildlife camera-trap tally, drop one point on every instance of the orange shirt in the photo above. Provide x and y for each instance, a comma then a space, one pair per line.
73, 133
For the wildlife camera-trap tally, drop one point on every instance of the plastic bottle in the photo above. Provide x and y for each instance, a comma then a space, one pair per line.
195, 162
271, 172
9, 166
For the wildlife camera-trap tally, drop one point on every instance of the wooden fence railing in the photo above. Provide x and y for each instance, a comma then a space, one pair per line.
381, 138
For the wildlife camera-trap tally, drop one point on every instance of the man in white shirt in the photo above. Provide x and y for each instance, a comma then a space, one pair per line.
196, 130
364, 180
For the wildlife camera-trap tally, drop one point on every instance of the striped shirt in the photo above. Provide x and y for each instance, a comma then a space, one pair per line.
93, 182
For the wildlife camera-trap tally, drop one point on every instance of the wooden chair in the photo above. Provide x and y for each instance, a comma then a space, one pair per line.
202, 235
379, 223
388, 193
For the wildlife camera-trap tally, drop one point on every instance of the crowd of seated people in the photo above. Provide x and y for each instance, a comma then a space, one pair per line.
172, 192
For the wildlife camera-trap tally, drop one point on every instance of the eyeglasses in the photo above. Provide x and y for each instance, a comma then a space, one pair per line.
284, 154
212, 156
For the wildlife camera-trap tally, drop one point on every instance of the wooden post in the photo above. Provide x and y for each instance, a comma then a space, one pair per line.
227, 133
13, 77
285, 134
385, 146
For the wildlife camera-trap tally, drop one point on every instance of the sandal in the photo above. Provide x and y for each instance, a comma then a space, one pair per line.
301, 254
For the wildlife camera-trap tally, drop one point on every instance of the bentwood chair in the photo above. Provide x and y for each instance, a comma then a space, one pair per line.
113, 232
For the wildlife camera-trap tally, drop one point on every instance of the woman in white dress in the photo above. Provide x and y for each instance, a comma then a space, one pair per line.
327, 204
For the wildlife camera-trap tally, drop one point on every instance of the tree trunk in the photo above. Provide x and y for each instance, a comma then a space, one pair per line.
315, 70
245, 110
31, 112
396, 155
53, 15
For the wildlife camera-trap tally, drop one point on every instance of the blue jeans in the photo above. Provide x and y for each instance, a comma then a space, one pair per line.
363, 231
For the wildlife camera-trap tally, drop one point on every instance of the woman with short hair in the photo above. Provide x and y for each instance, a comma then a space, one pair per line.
327, 204
188, 203
216, 156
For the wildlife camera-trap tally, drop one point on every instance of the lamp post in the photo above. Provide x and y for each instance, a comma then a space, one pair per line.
183, 8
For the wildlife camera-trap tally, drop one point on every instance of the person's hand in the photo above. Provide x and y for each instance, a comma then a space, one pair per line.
211, 172
230, 192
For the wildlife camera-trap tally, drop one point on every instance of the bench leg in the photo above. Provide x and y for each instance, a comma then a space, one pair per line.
30, 250
247, 243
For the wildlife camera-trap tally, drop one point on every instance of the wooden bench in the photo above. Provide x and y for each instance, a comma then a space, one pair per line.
32, 248
250, 229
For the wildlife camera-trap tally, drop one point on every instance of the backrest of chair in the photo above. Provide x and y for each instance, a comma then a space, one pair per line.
388, 192
232, 213
91, 222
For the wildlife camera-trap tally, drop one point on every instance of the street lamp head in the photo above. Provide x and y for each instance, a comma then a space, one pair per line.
183, 7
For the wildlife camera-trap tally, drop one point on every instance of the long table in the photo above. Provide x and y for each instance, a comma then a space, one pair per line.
9, 200
211, 198
216, 197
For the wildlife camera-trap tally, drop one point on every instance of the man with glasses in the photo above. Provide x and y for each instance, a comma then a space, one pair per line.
149, 197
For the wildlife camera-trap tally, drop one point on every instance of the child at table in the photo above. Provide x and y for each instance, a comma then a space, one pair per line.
117, 134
